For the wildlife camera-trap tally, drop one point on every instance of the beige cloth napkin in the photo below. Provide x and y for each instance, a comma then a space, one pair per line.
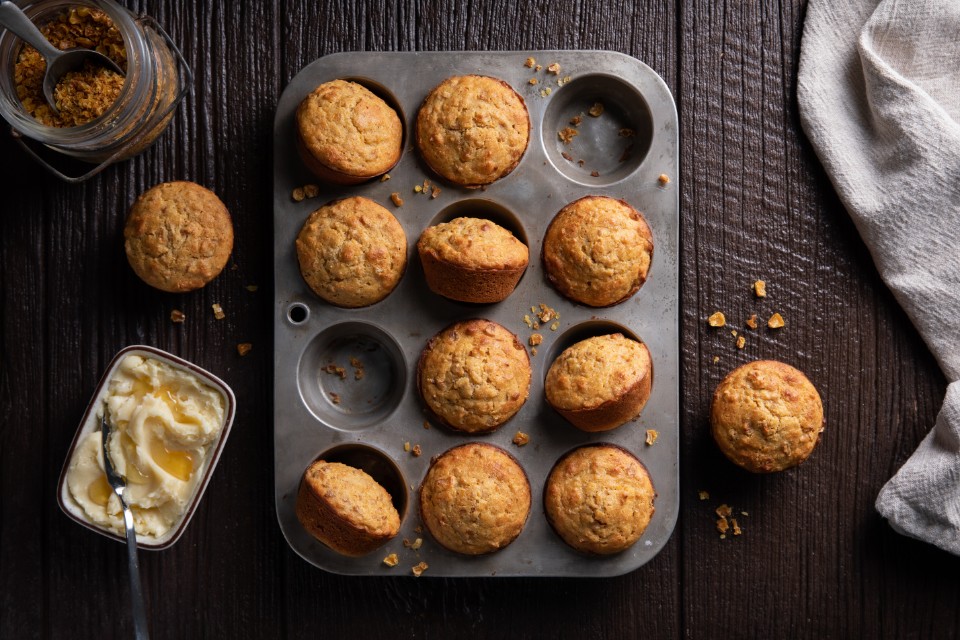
879, 95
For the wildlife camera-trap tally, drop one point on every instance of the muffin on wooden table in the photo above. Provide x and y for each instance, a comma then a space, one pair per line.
178, 236
475, 499
599, 499
472, 260
345, 509
597, 251
766, 416
473, 130
346, 134
600, 383
474, 376
352, 252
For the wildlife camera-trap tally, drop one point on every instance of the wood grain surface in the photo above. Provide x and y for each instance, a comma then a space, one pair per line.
814, 559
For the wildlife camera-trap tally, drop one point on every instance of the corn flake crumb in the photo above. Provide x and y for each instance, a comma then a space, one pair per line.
298, 195
391, 560
567, 134
434, 192
406, 446
532, 81
562, 81
752, 321
384, 177
703, 495
595, 174
663, 179
417, 451
566, 156
554, 68
576, 120
526, 320
760, 289
716, 359
724, 511
596, 110
717, 320
244, 348
218, 312
555, 326
520, 439
722, 526
335, 397
426, 424
311, 190
397, 200
530, 62
741, 342
417, 544
651, 437
776, 321
734, 333
418, 569
334, 369
736, 527
177, 316
535, 340
545, 92
533, 351
627, 133
538, 68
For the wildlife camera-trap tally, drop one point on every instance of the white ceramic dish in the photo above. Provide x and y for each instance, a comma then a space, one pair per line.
91, 423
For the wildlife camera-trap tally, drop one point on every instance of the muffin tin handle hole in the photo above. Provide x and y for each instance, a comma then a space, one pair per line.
298, 313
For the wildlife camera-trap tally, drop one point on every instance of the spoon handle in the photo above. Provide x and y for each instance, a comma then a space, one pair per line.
136, 588
17, 21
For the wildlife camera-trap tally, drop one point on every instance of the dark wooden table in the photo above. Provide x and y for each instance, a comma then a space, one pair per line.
814, 559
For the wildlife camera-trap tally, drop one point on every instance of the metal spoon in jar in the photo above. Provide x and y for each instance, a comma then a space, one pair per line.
58, 62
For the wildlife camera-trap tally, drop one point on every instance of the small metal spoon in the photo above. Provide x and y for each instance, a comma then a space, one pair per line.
119, 485
58, 62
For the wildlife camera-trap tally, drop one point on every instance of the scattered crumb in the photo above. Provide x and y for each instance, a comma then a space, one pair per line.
627, 133
244, 348
651, 437
298, 195
434, 192
384, 177
775, 321
716, 359
417, 544
391, 560
426, 185
418, 529
358, 370
736, 527
562, 81
734, 333
535, 340
741, 342
717, 320
311, 190
580, 162
177, 316
218, 312
417, 451
335, 370
546, 314
567, 134
554, 68
752, 321
555, 326
626, 154
533, 351
596, 110
722, 526
760, 289
566, 156
703, 495
595, 174
418, 569
724, 511
417, 188
576, 120
426, 424
526, 320
335, 397
521, 439
397, 200
663, 179
532, 81
530, 62
406, 447
545, 92
252, 288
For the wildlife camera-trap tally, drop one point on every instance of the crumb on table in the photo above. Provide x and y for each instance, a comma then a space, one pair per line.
717, 319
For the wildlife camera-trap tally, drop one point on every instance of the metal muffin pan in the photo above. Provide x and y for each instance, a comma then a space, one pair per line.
377, 414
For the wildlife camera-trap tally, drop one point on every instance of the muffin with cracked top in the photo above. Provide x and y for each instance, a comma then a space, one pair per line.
473, 129
352, 252
475, 499
597, 251
766, 416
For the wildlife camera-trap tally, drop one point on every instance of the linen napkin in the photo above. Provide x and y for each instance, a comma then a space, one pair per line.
879, 96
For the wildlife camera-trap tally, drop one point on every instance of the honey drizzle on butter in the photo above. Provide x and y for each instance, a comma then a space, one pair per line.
100, 491
176, 462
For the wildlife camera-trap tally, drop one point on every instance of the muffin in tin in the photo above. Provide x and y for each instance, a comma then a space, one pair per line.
472, 260
474, 376
599, 499
345, 509
597, 251
600, 383
346, 134
473, 129
352, 252
475, 499
766, 416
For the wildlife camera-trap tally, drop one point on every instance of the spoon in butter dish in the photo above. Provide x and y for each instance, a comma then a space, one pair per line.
119, 485
58, 62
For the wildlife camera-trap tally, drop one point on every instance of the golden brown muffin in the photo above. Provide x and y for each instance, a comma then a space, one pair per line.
345, 508
346, 134
352, 252
178, 236
600, 383
472, 260
597, 251
766, 416
473, 130
475, 499
599, 499
474, 376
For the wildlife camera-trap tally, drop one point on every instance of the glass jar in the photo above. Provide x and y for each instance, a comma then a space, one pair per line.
157, 78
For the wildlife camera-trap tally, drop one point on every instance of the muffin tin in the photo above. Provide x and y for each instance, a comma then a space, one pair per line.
365, 418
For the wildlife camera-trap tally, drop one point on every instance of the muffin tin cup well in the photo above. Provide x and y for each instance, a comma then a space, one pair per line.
306, 425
